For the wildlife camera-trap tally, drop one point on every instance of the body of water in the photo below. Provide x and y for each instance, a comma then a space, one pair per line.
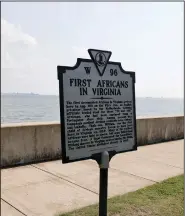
37, 108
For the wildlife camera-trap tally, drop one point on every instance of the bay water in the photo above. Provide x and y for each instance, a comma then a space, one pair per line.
41, 108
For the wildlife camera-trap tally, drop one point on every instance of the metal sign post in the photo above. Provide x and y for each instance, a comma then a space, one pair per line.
97, 113
104, 166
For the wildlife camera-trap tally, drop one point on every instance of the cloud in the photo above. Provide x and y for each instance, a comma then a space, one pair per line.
16, 46
26, 64
14, 33
18, 55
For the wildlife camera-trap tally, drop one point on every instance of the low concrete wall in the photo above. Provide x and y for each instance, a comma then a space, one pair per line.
31, 143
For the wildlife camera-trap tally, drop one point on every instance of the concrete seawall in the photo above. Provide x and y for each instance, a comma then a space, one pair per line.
35, 142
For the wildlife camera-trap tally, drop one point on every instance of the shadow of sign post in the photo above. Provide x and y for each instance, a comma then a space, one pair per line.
97, 113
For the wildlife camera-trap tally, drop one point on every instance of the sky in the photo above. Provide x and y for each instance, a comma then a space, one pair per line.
147, 38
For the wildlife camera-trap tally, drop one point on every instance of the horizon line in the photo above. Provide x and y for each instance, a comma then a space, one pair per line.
38, 94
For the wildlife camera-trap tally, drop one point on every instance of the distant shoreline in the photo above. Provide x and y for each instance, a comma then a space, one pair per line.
20, 94
36, 94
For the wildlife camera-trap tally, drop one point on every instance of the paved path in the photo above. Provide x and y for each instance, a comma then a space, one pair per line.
48, 188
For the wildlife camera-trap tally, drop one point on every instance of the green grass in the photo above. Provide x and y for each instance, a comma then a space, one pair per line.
161, 199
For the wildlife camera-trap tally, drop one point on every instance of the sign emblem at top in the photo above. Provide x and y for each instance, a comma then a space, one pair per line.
100, 59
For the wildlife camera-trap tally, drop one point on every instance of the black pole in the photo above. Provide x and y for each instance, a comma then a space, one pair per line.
103, 192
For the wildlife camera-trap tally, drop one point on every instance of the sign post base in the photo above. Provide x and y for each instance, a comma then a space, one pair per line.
104, 165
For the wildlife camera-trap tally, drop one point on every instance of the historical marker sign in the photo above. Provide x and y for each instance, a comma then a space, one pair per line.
97, 107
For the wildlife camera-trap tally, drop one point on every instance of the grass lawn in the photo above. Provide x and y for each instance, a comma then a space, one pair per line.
161, 199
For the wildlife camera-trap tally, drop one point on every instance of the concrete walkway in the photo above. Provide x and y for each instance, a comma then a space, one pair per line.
46, 189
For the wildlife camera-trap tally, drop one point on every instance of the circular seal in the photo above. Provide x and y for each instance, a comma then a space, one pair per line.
100, 59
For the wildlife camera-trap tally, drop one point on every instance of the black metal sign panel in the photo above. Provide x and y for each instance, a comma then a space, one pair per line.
97, 108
